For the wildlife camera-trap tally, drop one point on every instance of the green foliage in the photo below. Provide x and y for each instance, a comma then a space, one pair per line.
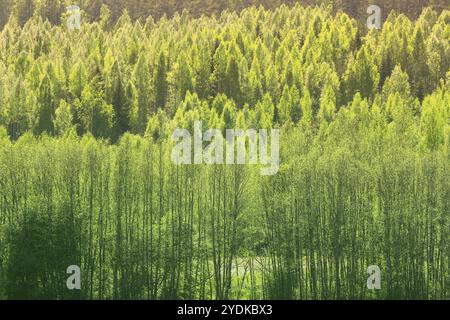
365, 144
63, 118
362, 75
161, 87
118, 94
313, 64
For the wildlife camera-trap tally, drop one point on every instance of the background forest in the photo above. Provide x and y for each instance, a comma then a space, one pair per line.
86, 177
141, 9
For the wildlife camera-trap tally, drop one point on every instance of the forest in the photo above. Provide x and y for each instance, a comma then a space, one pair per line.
53, 10
86, 177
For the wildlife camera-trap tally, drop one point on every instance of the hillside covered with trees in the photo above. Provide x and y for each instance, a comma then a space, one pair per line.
52, 10
86, 118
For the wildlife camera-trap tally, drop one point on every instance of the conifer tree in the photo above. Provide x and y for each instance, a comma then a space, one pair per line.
118, 97
160, 83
